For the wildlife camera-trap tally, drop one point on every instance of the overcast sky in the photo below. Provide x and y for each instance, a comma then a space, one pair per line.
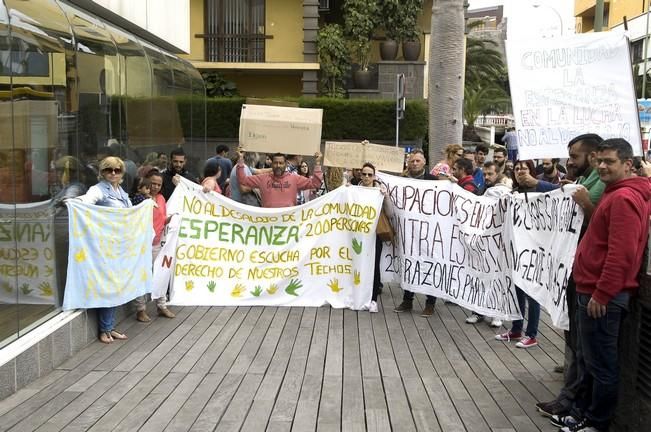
531, 18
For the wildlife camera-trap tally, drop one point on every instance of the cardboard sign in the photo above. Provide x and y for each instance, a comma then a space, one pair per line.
271, 129
565, 87
354, 155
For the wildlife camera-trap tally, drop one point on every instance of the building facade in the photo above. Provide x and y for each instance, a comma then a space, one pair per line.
268, 47
77, 82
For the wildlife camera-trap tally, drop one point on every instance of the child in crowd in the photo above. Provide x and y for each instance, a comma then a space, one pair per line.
142, 192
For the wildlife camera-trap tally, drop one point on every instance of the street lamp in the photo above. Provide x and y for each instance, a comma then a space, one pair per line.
560, 19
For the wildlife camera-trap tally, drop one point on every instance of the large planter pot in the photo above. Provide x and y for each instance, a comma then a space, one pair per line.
362, 79
411, 50
388, 50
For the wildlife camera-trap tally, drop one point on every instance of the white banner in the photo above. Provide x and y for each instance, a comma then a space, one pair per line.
109, 258
27, 254
220, 252
565, 87
474, 250
542, 235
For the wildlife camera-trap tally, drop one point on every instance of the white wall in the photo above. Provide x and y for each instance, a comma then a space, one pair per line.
167, 19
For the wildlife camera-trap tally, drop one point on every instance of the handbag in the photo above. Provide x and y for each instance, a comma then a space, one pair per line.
384, 229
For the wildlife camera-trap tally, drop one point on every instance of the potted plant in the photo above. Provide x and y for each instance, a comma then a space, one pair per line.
410, 11
360, 20
333, 57
390, 17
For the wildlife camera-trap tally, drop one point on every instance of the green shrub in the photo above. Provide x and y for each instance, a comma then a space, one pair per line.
343, 119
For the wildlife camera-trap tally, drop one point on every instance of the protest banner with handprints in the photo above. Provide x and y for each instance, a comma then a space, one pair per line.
109, 261
220, 252
27, 254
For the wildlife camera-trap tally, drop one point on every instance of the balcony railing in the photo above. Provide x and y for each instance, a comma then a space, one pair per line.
233, 48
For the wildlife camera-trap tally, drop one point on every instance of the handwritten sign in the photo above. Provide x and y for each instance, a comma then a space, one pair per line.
474, 250
274, 129
220, 252
565, 87
354, 155
109, 261
27, 254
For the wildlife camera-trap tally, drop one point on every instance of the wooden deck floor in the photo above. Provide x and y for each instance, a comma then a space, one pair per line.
301, 369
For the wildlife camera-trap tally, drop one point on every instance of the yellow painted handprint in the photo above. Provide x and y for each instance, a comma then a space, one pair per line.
143, 275
46, 289
238, 290
80, 256
334, 285
272, 289
357, 278
189, 285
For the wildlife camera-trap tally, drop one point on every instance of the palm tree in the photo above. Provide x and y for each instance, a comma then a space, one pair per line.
479, 100
446, 75
483, 63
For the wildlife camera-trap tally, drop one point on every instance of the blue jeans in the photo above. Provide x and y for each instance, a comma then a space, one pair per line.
533, 314
599, 341
106, 319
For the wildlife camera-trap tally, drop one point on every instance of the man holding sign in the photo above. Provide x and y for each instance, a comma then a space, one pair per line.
416, 170
279, 187
605, 270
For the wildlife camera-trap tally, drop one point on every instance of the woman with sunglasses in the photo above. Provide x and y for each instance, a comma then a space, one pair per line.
108, 193
367, 179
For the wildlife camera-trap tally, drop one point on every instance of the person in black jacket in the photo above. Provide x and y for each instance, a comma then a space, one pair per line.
416, 169
176, 169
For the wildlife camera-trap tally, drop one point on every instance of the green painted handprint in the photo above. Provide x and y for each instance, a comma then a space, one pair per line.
357, 246
257, 291
211, 286
7, 287
25, 289
294, 284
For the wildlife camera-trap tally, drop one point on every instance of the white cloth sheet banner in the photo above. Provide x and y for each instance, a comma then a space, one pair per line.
109, 261
565, 87
474, 250
220, 252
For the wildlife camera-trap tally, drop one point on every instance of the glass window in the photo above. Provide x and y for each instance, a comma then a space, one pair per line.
66, 102
235, 30
35, 106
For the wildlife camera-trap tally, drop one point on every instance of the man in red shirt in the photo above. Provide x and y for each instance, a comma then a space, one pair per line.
606, 266
279, 187
463, 171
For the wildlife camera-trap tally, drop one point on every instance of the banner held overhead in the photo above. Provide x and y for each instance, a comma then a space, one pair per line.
565, 87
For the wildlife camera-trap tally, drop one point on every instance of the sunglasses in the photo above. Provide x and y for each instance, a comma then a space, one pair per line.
367, 174
112, 170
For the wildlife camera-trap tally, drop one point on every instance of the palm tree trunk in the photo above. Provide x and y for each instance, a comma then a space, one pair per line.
446, 76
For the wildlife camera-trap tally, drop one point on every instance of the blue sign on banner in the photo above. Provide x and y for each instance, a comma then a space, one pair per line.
110, 257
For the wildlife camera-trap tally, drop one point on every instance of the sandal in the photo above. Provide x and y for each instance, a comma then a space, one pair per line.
117, 335
105, 337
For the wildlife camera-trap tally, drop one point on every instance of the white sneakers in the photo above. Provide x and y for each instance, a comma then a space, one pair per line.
496, 322
476, 318
372, 307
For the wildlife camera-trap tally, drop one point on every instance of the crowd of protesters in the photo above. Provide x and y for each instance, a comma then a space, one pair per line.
614, 193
